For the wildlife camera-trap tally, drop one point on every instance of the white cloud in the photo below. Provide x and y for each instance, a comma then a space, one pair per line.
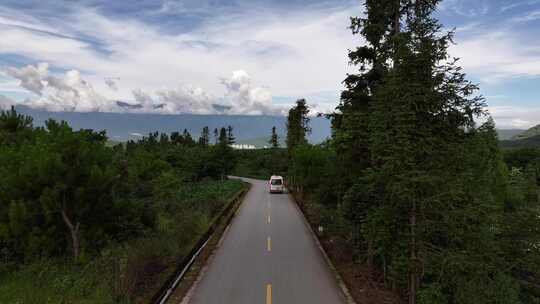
5, 102
493, 56
289, 54
295, 53
111, 83
31, 77
185, 99
9, 84
69, 93
530, 16
246, 99
465, 8
72, 93
241, 98
514, 4
24, 21
513, 117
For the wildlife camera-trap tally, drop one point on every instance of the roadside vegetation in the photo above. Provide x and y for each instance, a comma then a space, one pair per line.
262, 163
82, 221
415, 199
412, 196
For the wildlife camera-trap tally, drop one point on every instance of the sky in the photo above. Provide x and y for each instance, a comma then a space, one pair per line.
248, 57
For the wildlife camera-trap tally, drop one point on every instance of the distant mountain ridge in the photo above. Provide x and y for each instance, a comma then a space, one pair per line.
529, 142
532, 132
247, 129
126, 126
507, 134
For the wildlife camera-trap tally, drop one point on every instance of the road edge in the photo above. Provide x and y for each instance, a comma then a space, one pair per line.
339, 280
186, 287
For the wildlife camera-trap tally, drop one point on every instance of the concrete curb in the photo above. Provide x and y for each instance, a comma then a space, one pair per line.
341, 283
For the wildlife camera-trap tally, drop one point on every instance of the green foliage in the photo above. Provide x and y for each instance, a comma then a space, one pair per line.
117, 274
230, 137
223, 158
297, 125
14, 128
52, 282
274, 139
521, 158
125, 214
311, 168
431, 294
527, 142
204, 139
261, 163
411, 183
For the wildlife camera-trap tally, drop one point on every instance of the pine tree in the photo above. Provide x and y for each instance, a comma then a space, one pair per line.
216, 136
350, 122
224, 154
204, 139
230, 137
188, 140
274, 140
163, 139
79, 178
14, 127
297, 125
223, 138
420, 122
426, 182
176, 138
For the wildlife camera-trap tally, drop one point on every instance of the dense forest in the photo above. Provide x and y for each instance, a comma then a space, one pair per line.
530, 142
411, 185
413, 194
262, 163
81, 221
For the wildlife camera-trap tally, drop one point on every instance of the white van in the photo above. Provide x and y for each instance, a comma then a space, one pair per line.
276, 184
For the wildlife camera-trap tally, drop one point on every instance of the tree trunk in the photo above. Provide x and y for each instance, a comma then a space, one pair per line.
397, 18
413, 279
74, 231
370, 258
397, 29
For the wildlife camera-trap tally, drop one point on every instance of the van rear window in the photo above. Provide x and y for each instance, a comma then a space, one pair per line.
276, 182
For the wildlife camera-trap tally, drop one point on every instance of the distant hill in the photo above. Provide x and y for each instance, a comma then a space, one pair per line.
125, 126
529, 142
532, 132
506, 134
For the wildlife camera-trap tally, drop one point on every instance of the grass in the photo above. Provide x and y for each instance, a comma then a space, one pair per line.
130, 272
55, 282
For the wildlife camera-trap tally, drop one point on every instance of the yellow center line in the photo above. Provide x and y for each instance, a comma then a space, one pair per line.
269, 244
268, 294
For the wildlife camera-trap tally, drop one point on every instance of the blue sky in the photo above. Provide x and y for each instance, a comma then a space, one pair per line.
255, 56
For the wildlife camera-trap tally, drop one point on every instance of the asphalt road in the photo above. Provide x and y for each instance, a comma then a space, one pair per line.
267, 256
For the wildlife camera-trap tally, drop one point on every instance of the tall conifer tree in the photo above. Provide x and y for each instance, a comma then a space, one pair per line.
230, 136
274, 140
407, 127
204, 140
297, 125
